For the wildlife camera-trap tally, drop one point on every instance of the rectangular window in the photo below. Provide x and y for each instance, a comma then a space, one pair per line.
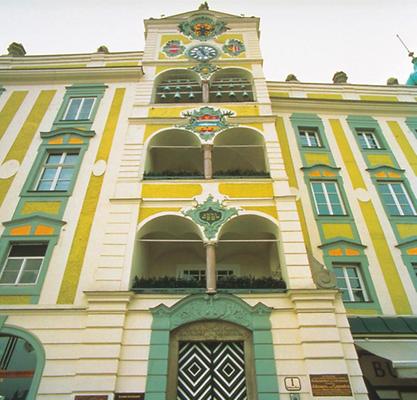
414, 265
368, 140
327, 198
396, 198
23, 264
309, 138
79, 108
57, 171
349, 280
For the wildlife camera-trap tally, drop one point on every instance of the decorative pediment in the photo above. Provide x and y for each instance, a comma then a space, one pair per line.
343, 248
69, 136
205, 70
210, 215
386, 172
33, 226
321, 171
202, 27
408, 247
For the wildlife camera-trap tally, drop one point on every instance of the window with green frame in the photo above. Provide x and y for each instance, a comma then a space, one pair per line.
368, 139
327, 198
57, 170
309, 137
79, 108
396, 198
23, 264
350, 281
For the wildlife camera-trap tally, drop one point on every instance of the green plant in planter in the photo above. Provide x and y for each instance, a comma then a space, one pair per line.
240, 172
231, 282
171, 173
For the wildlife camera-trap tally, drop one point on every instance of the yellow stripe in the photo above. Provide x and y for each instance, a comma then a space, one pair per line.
383, 253
347, 155
378, 98
303, 223
285, 151
82, 233
359, 311
10, 109
25, 136
405, 145
328, 96
15, 299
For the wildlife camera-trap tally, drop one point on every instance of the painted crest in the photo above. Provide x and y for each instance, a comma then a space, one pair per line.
173, 48
207, 121
202, 27
210, 215
234, 47
205, 70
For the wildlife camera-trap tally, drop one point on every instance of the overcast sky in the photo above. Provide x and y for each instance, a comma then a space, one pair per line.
310, 38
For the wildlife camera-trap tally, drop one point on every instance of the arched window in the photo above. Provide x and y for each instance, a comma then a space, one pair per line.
168, 248
21, 364
239, 152
231, 85
174, 153
248, 246
178, 86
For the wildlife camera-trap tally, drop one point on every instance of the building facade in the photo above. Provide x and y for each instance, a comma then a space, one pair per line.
176, 227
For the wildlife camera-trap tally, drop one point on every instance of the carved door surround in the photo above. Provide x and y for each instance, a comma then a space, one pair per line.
210, 331
252, 321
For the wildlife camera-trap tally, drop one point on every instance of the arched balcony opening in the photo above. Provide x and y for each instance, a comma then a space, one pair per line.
239, 152
248, 247
231, 85
178, 86
169, 250
174, 154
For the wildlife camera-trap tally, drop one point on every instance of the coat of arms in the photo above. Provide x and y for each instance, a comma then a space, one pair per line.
207, 121
202, 27
173, 48
234, 47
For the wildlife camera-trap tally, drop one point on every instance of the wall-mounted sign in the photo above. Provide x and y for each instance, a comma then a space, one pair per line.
292, 383
91, 397
129, 396
330, 385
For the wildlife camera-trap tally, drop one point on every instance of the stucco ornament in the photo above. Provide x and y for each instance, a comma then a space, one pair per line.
234, 47
206, 122
340, 77
202, 27
16, 50
412, 79
210, 215
103, 49
205, 70
173, 48
392, 81
322, 277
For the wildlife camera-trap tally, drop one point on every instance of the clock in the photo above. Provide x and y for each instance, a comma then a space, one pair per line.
202, 52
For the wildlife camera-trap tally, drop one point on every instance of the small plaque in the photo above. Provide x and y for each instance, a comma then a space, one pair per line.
91, 397
330, 385
129, 396
292, 383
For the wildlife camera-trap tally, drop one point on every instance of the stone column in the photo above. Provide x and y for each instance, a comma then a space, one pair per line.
208, 165
210, 267
206, 91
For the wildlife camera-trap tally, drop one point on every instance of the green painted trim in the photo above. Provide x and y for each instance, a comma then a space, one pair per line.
68, 131
361, 261
75, 260
412, 124
40, 356
44, 149
311, 121
10, 109
200, 307
29, 290
3, 319
25, 135
80, 90
357, 122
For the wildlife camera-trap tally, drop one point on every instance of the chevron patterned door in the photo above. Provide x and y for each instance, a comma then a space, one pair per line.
211, 371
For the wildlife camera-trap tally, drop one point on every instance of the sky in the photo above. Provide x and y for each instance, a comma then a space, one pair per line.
309, 38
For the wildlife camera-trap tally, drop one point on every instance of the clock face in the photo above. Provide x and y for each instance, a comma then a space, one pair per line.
203, 52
